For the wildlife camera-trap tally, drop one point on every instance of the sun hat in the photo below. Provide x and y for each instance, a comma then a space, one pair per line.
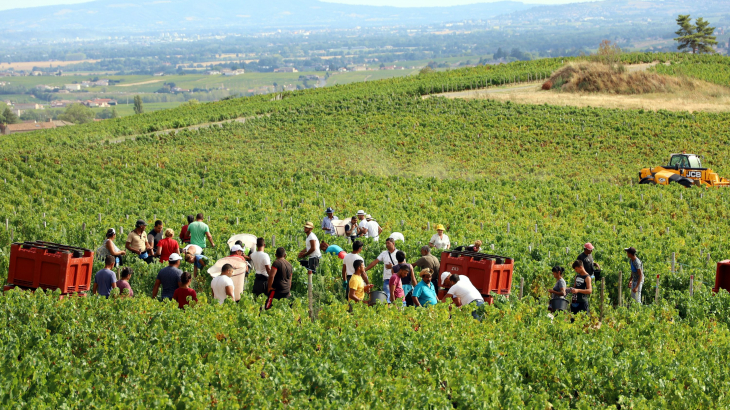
175, 257
140, 222
440, 227
236, 248
361, 212
588, 246
309, 225
329, 210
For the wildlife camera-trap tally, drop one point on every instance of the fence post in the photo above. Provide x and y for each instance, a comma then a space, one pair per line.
603, 282
522, 286
309, 295
507, 227
691, 285
273, 241
656, 294
674, 261
620, 286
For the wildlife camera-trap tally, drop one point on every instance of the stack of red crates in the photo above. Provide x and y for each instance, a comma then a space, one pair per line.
48, 265
488, 273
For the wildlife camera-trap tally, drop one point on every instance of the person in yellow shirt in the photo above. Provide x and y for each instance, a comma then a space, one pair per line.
357, 287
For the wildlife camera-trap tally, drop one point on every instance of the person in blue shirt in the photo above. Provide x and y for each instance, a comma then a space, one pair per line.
198, 262
332, 249
424, 294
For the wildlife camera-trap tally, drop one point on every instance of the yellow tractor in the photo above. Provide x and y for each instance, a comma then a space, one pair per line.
683, 169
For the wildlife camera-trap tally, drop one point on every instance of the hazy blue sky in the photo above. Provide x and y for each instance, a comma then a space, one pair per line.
12, 4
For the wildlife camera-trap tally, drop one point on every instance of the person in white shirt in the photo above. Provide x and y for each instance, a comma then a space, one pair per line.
463, 292
222, 285
311, 251
362, 227
348, 268
439, 240
374, 229
262, 265
327, 226
388, 258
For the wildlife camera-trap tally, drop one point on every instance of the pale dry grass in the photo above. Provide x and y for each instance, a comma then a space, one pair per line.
705, 97
139, 83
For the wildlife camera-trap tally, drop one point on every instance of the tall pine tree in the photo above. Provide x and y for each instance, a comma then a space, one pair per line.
696, 38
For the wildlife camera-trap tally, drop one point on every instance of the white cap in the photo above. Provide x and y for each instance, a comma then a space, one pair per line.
175, 257
236, 248
444, 276
361, 212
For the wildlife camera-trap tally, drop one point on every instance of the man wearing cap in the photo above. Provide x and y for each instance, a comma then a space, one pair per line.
388, 258
637, 274
169, 278
362, 227
327, 226
237, 252
374, 229
463, 292
137, 242
587, 258
311, 250
262, 264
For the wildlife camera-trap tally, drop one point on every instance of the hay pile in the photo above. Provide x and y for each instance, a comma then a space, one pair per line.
590, 77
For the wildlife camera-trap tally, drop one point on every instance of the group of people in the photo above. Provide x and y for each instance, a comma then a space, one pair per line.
274, 279
586, 271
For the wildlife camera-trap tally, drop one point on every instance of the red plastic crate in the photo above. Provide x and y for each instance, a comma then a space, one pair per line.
50, 266
722, 276
488, 273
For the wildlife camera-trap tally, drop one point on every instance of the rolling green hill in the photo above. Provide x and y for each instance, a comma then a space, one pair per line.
536, 182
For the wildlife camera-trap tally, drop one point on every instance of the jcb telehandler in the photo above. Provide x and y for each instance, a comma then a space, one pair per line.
683, 169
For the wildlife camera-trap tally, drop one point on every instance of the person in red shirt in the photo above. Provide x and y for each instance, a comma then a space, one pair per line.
167, 246
184, 233
181, 293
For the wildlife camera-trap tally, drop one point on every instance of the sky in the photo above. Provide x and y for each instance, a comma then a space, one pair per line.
12, 4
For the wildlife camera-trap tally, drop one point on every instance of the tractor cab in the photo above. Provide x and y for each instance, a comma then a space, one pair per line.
684, 161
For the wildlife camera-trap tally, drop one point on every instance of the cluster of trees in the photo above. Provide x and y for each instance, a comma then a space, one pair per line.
8, 117
697, 38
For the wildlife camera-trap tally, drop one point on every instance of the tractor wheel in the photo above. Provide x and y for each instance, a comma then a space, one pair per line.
647, 181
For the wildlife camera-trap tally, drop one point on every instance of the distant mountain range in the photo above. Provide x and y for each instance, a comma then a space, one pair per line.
156, 15
621, 10
125, 16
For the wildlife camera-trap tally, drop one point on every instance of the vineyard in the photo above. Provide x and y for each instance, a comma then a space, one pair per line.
532, 182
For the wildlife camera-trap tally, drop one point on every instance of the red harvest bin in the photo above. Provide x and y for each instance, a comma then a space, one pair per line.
488, 273
50, 266
722, 276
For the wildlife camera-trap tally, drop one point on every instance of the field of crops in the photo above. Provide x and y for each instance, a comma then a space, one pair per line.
535, 182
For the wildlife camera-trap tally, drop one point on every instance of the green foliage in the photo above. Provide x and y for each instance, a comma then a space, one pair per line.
77, 114
518, 177
138, 108
153, 355
9, 117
